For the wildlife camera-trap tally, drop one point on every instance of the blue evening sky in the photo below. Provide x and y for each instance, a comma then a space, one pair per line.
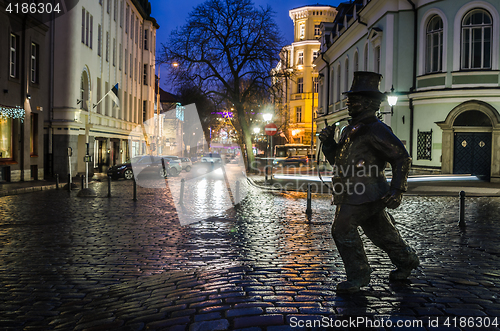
173, 13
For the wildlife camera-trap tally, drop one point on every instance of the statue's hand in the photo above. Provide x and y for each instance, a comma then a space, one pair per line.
393, 198
327, 135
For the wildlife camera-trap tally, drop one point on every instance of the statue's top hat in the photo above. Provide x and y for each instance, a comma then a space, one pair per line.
366, 83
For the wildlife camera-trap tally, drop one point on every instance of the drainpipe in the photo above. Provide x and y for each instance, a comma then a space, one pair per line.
414, 80
24, 86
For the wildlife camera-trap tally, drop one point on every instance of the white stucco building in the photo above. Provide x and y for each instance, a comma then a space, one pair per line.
96, 45
441, 57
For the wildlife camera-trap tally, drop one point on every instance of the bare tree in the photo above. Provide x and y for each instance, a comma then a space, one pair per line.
227, 48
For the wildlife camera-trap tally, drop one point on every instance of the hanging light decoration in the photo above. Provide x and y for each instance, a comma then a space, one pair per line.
12, 112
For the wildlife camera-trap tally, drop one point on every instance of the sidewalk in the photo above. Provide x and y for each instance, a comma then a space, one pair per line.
428, 185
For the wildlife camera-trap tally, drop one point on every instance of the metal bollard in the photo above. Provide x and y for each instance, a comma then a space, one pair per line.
135, 190
83, 181
237, 193
309, 209
69, 183
57, 181
461, 221
109, 186
181, 199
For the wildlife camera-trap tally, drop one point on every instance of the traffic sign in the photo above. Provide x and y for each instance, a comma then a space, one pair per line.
271, 129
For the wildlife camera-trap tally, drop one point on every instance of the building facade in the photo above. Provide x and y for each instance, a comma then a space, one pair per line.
442, 60
96, 45
24, 94
298, 99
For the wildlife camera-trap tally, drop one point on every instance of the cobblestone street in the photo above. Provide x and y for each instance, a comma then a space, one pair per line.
69, 263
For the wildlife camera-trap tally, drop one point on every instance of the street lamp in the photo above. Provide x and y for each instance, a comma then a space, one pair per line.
392, 99
267, 117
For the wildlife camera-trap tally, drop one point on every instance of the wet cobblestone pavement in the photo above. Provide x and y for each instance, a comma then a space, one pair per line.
68, 263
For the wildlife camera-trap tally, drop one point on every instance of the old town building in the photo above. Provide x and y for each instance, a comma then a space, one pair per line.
441, 58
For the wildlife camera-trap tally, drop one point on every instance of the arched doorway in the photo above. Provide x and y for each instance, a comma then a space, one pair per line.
470, 140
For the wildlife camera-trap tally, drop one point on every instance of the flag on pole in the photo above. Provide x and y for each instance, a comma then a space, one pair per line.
113, 94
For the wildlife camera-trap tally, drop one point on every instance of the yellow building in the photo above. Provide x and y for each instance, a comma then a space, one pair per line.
299, 98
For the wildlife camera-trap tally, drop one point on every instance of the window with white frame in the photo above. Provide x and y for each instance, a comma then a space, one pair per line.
339, 80
317, 31
300, 57
146, 70
107, 46
114, 52
316, 84
365, 62
99, 40
108, 9
146, 32
315, 55
83, 25
300, 85
115, 10
376, 59
13, 55
434, 45
476, 40
356, 62
120, 59
126, 18
302, 28
121, 13
35, 50
346, 81
298, 114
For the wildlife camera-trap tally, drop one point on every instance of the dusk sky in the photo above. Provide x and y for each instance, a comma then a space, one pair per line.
171, 14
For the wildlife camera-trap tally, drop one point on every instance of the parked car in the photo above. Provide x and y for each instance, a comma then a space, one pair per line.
144, 163
297, 160
186, 164
174, 167
211, 157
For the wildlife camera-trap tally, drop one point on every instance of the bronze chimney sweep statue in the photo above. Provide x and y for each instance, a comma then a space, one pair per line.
361, 189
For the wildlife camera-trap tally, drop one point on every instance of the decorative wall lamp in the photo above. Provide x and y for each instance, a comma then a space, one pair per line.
392, 99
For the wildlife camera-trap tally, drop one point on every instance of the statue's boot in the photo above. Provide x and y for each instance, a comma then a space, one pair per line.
352, 286
404, 270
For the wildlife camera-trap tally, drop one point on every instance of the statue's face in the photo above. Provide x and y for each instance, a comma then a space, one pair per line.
360, 104
356, 105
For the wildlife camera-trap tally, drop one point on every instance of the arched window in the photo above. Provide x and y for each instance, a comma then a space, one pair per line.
434, 50
84, 91
476, 40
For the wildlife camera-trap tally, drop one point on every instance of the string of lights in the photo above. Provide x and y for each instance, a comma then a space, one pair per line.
12, 112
